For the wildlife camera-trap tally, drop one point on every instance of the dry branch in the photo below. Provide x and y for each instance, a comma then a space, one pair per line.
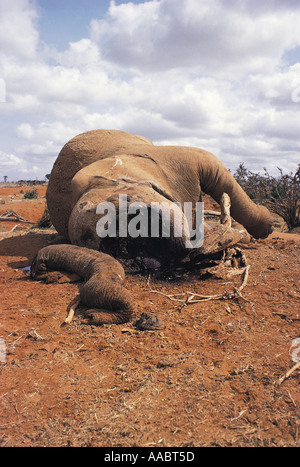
212, 213
45, 221
13, 216
288, 373
9, 231
192, 297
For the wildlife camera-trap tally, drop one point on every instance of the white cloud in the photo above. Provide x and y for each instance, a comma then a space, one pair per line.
279, 88
211, 37
8, 161
44, 138
26, 131
80, 53
209, 74
18, 35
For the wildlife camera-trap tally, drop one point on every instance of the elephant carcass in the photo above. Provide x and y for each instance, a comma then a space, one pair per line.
99, 166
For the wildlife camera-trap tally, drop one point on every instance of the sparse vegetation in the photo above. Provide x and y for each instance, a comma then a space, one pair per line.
33, 194
221, 372
45, 221
280, 194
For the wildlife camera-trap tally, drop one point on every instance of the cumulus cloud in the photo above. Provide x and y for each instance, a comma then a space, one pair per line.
80, 53
9, 161
211, 74
18, 36
211, 37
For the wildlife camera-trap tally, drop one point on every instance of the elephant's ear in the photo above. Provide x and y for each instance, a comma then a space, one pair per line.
91, 177
82, 223
79, 152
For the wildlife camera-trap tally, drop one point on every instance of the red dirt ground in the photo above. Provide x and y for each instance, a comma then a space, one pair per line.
210, 378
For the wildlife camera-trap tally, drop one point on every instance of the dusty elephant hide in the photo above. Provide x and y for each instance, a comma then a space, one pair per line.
103, 297
97, 167
100, 164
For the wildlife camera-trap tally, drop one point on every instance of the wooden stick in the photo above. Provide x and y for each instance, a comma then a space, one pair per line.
13, 216
192, 296
212, 213
288, 373
9, 231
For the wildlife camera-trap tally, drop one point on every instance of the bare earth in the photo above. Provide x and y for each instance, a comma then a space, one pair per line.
209, 378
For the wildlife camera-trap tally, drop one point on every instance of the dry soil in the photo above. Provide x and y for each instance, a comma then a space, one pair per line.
209, 378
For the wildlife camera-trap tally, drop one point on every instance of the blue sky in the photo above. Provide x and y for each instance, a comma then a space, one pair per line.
223, 75
64, 21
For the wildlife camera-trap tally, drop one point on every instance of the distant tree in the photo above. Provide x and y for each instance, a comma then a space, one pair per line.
47, 176
5, 178
280, 194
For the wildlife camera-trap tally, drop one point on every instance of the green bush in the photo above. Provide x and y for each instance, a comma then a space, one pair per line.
31, 194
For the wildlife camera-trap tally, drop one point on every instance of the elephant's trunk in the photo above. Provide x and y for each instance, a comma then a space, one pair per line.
215, 180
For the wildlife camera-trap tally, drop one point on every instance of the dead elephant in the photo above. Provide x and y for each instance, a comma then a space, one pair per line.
97, 167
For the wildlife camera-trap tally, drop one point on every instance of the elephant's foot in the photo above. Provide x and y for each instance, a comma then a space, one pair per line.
94, 316
97, 316
149, 322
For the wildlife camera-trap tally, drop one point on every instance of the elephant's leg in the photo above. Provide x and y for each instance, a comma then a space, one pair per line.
105, 301
104, 276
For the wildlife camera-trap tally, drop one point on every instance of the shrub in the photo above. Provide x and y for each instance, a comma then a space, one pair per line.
280, 194
31, 194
